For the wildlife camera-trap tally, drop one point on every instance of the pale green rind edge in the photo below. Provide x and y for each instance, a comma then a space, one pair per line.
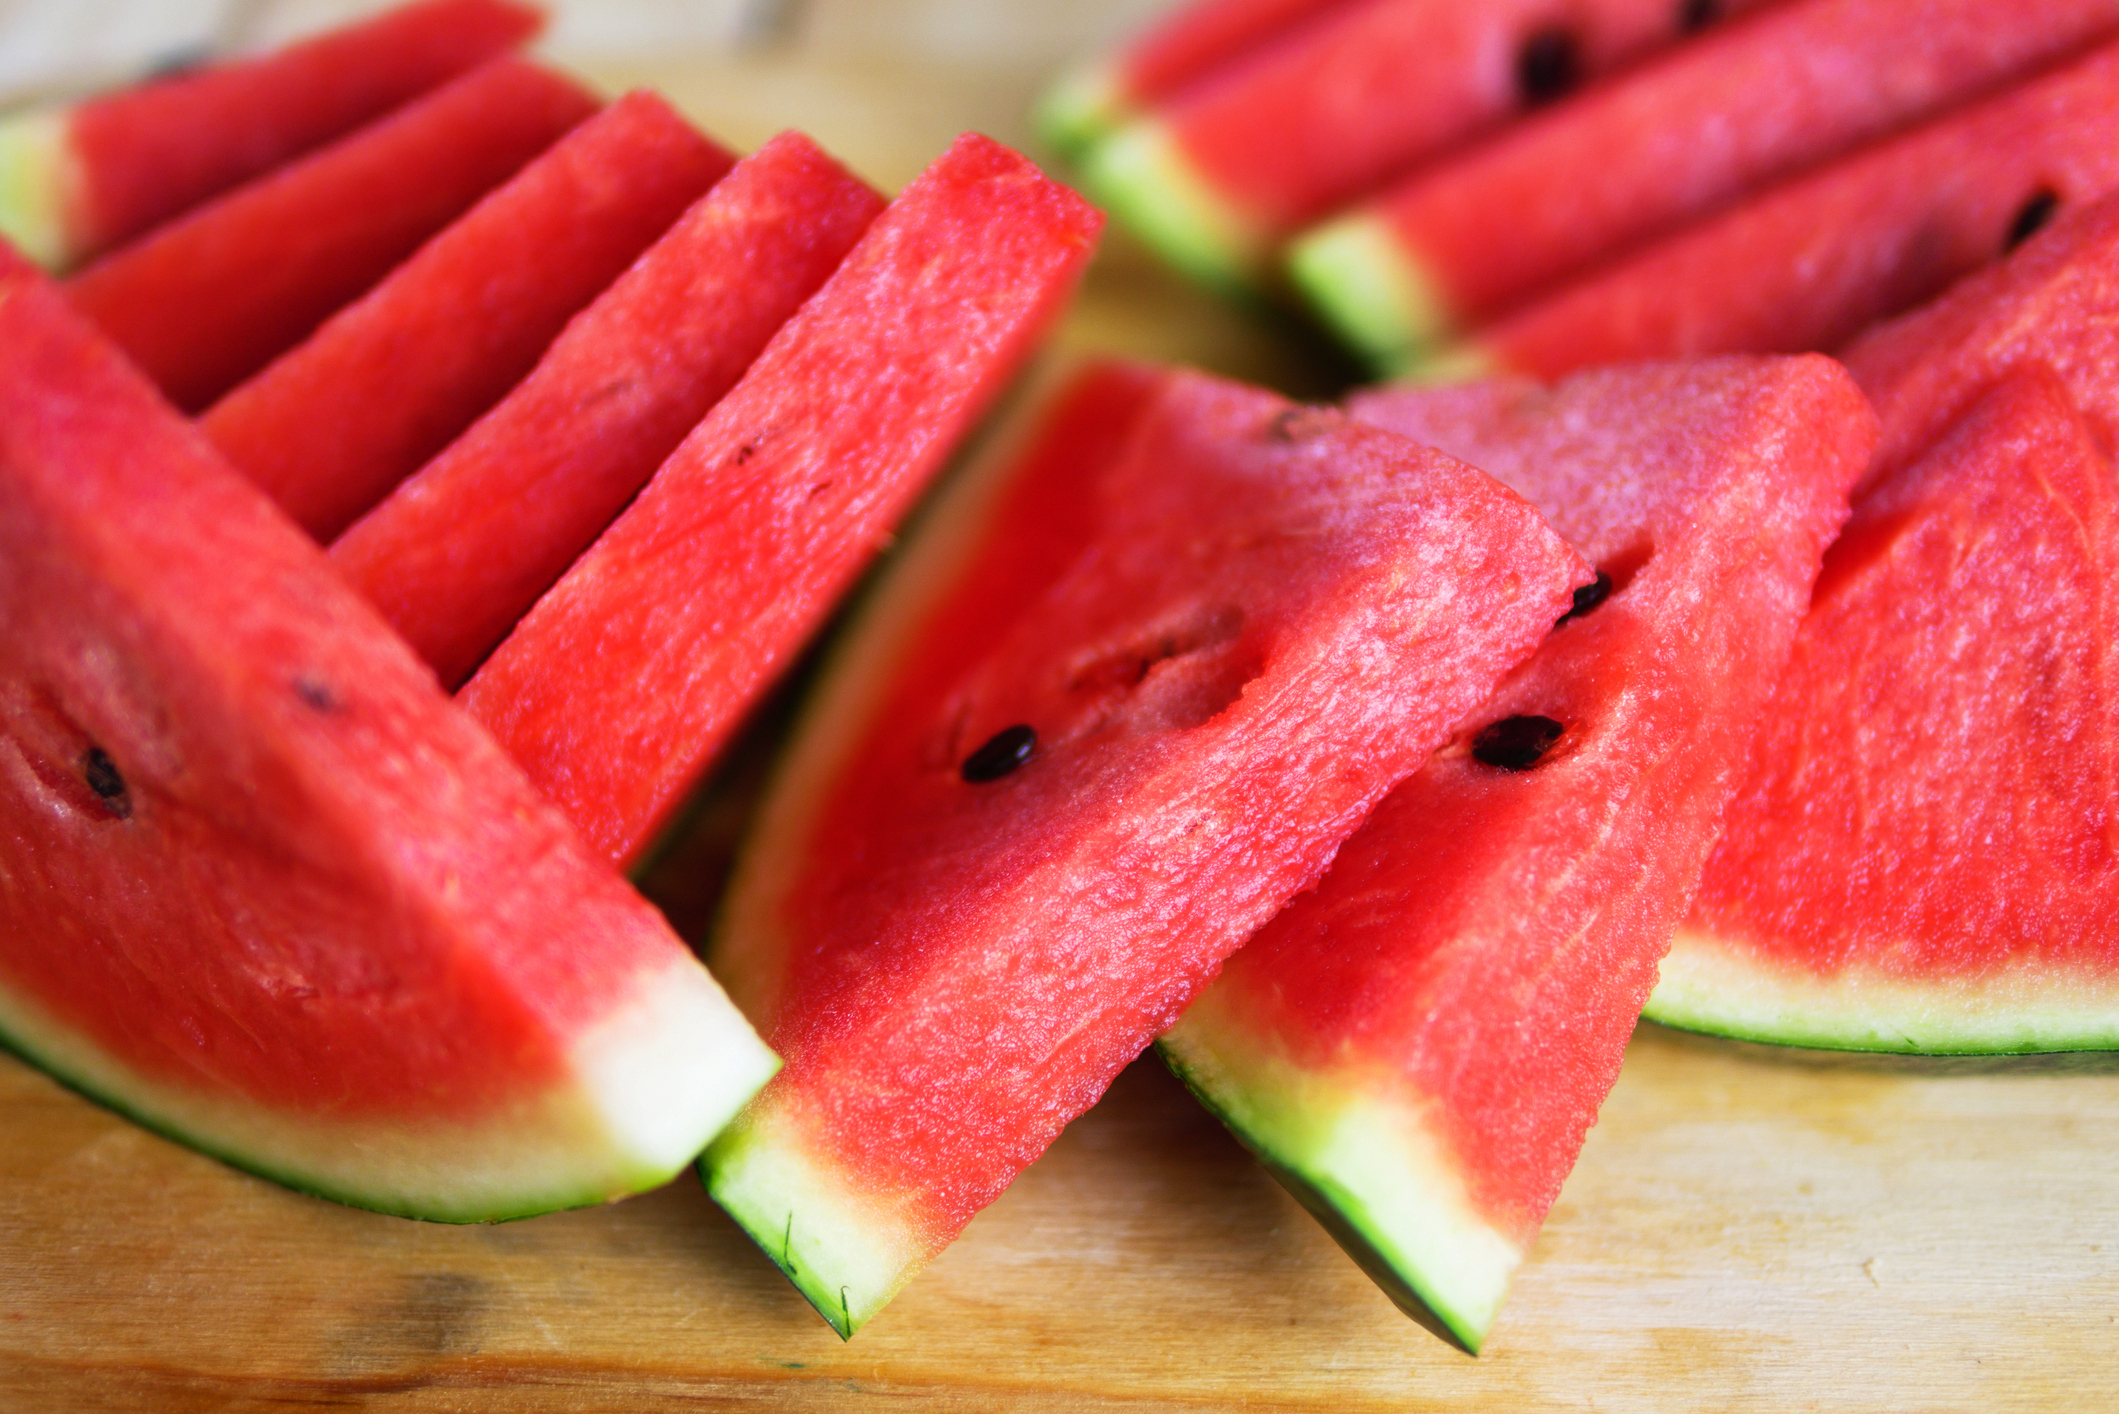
571, 1132
1143, 177
847, 1257
1082, 109
1368, 1169
36, 185
1714, 988
1368, 289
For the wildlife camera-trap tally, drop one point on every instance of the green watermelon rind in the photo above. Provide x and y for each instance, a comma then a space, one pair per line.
35, 169
604, 1165
1366, 288
1714, 988
1382, 1186
1142, 176
1086, 106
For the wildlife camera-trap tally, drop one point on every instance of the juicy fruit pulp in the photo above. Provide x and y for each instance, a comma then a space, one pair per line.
1923, 858
260, 885
1417, 1045
1110, 712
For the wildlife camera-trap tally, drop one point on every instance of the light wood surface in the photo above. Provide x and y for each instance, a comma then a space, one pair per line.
1743, 1232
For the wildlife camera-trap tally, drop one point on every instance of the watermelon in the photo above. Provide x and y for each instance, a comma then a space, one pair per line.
461, 551
1417, 1046
1124, 696
209, 299
1257, 150
626, 679
79, 179
331, 427
1094, 98
1808, 265
1925, 856
261, 886
1456, 243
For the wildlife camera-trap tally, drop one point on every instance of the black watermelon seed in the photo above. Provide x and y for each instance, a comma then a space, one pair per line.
1548, 65
1007, 749
1587, 597
2031, 217
1696, 15
102, 775
1516, 743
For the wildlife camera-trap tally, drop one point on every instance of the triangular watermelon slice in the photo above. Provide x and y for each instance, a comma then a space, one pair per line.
1925, 856
1121, 699
261, 886
1417, 1047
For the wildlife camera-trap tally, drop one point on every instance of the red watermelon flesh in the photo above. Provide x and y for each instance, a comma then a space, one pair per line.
209, 299
1925, 855
460, 552
1418, 1045
2054, 302
995, 867
1321, 115
1811, 264
1663, 145
621, 684
261, 886
112, 168
332, 426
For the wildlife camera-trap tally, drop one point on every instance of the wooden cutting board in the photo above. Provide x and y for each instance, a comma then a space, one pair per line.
1745, 1231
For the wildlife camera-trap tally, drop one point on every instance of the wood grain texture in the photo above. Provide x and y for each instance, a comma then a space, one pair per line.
1743, 1232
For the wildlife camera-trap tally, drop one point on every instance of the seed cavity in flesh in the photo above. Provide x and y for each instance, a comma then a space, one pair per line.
103, 778
1548, 66
1004, 751
1696, 15
2032, 216
1516, 743
1587, 597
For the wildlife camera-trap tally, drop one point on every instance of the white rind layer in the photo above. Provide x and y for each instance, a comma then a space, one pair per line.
651, 1084
1367, 1162
37, 176
2039, 1005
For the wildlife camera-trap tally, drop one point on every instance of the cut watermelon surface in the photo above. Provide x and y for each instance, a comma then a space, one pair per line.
619, 687
1455, 244
79, 179
261, 886
1925, 856
204, 302
459, 553
1122, 698
1810, 264
1417, 1046
333, 426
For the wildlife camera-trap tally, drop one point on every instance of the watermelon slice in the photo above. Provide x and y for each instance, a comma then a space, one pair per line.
333, 426
460, 552
1417, 1047
1925, 856
1095, 98
1319, 116
1810, 264
261, 886
79, 179
619, 687
1111, 711
211, 298
1456, 243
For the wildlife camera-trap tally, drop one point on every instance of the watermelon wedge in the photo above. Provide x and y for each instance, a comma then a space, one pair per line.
1810, 264
1451, 246
333, 426
261, 886
619, 687
1253, 152
209, 299
79, 179
1417, 1046
459, 553
1120, 701
1925, 856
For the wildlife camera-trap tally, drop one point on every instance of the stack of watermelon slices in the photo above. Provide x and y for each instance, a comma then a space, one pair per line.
314, 918
1770, 183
